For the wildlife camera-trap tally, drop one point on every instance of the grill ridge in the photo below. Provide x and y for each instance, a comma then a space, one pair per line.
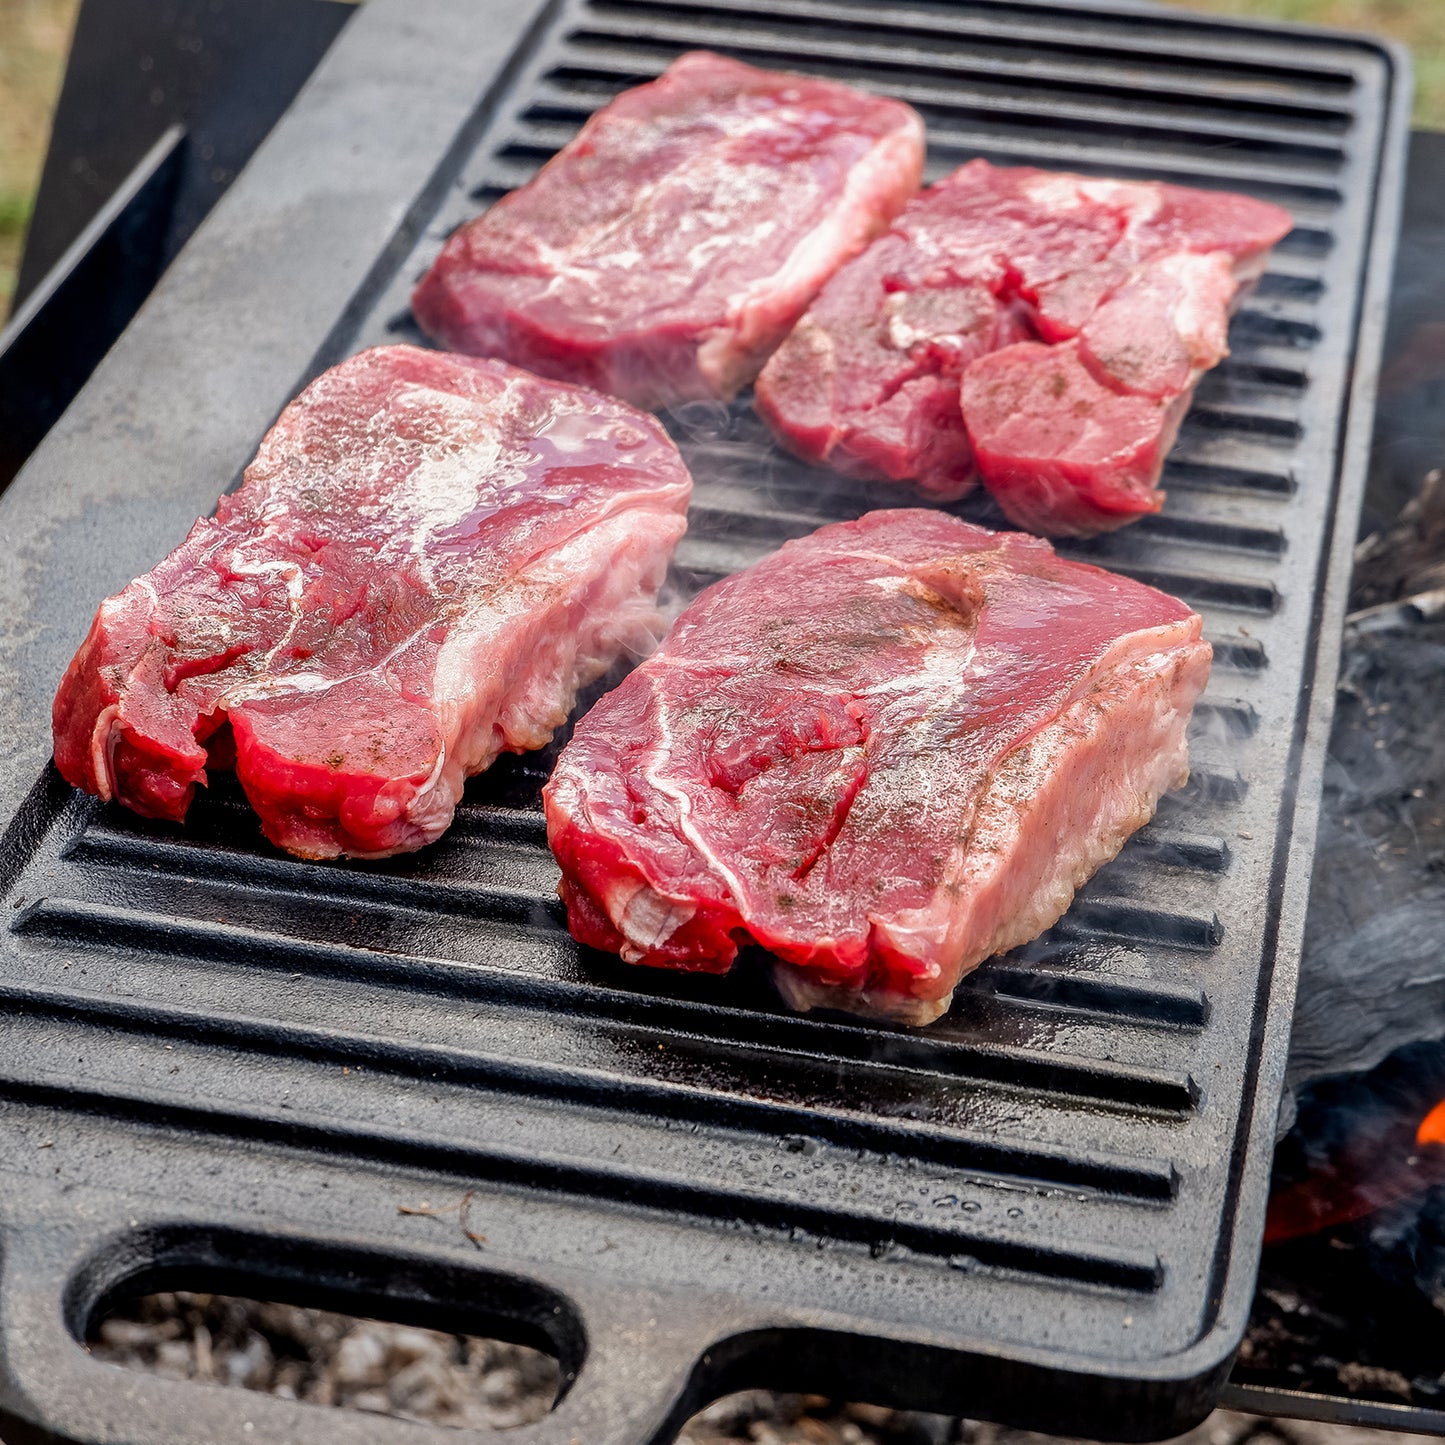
1141, 1178
1102, 1080
973, 31
1085, 1264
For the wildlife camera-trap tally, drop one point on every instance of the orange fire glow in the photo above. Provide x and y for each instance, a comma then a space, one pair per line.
1374, 1175
1432, 1126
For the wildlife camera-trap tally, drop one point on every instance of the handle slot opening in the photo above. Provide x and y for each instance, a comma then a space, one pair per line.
416, 1339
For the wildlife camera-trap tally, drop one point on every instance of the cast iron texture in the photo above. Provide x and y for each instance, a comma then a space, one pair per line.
224, 71
222, 1067
161, 107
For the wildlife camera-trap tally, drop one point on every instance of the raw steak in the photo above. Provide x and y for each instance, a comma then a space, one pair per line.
1155, 220
1137, 278
663, 253
1164, 327
893, 748
1064, 452
427, 557
867, 382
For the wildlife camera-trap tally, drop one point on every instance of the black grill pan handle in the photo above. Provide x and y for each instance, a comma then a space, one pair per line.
644, 1364
652, 1361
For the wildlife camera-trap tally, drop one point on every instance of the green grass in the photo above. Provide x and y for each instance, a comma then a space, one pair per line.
34, 36
14, 212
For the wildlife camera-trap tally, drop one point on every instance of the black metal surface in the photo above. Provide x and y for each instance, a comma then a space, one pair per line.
65, 326
222, 70
1333, 1409
161, 107
1045, 1209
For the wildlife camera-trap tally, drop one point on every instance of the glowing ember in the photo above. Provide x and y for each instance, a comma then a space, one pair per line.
1432, 1126
1370, 1175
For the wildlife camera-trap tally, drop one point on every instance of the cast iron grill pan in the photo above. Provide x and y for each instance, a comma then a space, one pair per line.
1044, 1208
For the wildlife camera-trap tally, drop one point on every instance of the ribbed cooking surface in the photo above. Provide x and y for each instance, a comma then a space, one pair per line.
1072, 1135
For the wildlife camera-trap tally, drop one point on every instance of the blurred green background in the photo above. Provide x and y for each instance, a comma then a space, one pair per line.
34, 35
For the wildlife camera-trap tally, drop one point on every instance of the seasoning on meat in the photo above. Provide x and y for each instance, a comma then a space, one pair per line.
427, 558
1137, 278
1060, 448
663, 253
893, 748
867, 383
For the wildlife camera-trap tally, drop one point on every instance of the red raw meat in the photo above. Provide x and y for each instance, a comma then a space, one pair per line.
1156, 220
1138, 278
663, 253
426, 559
1062, 451
867, 382
893, 748
1164, 327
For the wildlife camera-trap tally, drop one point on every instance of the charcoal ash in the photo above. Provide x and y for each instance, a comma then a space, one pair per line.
1407, 558
323, 1358
1372, 977
1327, 1321
1351, 1300
762, 1417
484, 1385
